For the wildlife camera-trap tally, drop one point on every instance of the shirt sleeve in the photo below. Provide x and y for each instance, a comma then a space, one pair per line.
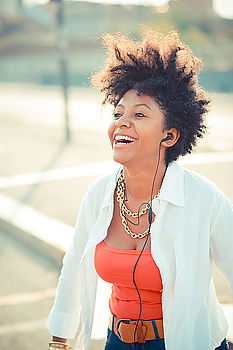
221, 240
64, 317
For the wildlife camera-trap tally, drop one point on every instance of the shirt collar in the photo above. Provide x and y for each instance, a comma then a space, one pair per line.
110, 188
172, 189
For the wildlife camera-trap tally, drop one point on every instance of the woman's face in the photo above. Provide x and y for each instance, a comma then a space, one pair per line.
136, 129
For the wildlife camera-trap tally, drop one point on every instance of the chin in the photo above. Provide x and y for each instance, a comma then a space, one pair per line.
121, 160
118, 160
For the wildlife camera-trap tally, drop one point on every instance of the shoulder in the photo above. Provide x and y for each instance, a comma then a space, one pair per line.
101, 189
203, 187
100, 184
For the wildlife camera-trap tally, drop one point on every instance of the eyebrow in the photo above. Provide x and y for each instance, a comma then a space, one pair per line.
139, 104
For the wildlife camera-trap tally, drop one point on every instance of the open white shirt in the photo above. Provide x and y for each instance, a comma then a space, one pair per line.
193, 227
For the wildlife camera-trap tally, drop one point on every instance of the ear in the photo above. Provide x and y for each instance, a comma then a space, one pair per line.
175, 138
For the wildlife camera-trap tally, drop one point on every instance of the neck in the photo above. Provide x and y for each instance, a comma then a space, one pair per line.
139, 182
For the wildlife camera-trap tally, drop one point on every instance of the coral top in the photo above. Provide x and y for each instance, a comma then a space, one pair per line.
115, 266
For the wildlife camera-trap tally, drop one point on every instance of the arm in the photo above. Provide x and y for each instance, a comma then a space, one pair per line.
221, 239
64, 317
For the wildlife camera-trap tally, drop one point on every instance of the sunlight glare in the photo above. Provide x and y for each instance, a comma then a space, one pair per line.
223, 8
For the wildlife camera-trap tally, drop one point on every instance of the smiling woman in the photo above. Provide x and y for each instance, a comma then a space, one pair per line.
152, 229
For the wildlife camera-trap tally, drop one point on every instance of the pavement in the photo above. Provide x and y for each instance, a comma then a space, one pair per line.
42, 182
27, 290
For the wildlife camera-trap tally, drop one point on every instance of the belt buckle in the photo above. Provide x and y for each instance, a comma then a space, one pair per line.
141, 337
118, 324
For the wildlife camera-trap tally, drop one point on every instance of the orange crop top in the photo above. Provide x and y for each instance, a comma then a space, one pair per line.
115, 266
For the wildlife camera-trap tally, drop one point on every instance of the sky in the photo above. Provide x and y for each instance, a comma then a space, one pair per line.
223, 8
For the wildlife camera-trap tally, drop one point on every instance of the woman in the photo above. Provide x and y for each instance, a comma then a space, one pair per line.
152, 229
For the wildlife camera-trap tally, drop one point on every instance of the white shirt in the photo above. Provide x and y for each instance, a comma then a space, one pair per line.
193, 227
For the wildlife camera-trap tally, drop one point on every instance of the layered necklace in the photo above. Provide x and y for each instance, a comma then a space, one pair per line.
124, 211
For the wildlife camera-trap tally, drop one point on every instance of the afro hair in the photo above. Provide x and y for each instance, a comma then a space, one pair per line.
162, 67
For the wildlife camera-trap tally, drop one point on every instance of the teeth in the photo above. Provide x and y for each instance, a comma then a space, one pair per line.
123, 137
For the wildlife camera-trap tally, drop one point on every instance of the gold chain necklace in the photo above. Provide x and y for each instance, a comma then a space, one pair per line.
120, 194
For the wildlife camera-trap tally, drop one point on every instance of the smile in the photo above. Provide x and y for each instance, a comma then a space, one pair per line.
123, 140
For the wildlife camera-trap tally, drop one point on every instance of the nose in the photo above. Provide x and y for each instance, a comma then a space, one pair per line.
123, 121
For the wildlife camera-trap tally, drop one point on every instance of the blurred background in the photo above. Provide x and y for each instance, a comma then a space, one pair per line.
53, 141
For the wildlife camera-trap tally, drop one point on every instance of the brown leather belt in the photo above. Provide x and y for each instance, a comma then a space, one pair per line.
146, 329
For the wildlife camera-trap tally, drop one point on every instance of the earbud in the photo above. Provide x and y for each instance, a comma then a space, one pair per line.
168, 137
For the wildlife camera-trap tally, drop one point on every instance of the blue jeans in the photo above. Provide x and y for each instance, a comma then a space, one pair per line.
114, 343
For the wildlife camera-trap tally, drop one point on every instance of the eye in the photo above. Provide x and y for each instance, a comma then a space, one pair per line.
140, 115
116, 115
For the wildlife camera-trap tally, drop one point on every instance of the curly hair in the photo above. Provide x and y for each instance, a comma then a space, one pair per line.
162, 67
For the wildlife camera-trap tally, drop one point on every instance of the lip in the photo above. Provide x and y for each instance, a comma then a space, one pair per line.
121, 144
117, 145
120, 134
